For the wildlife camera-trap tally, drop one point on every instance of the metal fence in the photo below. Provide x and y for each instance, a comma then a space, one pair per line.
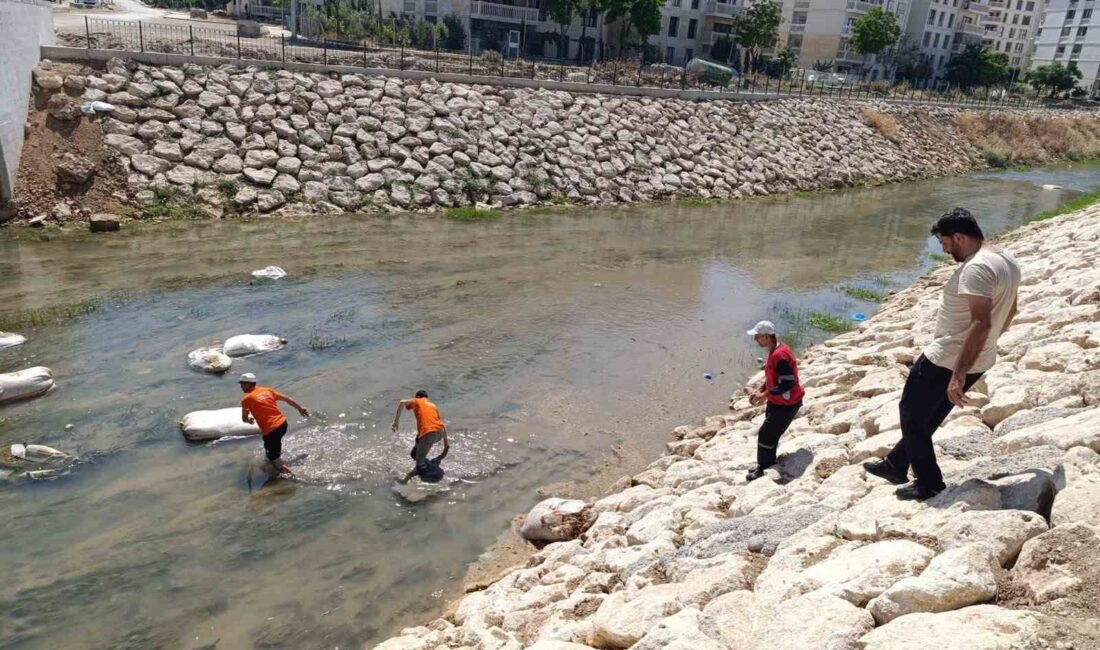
140, 36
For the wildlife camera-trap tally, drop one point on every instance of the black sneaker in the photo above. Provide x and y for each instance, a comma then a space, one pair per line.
913, 492
754, 474
883, 469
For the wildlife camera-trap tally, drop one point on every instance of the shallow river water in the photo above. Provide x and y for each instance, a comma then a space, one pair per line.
551, 342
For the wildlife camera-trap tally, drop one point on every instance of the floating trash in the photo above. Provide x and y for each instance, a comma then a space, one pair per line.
37, 453
211, 360
1050, 186
859, 317
269, 273
708, 376
247, 344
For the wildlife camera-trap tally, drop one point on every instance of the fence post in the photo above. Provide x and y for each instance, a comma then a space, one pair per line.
324, 46
683, 78
141, 38
401, 61
502, 65
561, 70
191, 35
588, 73
238, 45
767, 83
437, 56
638, 81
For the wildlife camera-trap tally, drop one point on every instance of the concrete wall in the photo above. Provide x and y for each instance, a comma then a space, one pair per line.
25, 25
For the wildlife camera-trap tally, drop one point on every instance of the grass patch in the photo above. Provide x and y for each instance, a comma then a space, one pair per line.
862, 293
1074, 204
829, 322
47, 315
885, 124
166, 206
471, 214
941, 258
1025, 139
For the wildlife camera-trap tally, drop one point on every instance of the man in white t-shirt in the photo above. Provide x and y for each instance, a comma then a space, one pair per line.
978, 304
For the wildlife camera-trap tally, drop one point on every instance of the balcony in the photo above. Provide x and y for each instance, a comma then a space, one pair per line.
722, 9
431, 7
495, 11
860, 7
797, 29
973, 30
997, 4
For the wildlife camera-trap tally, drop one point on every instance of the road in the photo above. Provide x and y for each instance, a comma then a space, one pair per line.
66, 19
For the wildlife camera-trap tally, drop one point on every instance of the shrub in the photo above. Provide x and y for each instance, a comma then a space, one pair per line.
471, 214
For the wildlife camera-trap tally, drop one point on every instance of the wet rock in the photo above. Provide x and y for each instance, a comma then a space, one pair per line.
104, 222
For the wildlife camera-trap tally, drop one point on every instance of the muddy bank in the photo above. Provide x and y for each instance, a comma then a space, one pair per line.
689, 555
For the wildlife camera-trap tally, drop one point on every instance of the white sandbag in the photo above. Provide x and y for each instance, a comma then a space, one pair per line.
211, 360
1051, 186
25, 384
10, 340
269, 273
245, 344
200, 426
556, 520
37, 453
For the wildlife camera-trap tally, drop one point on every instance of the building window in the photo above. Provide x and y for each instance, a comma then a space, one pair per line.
670, 54
941, 18
673, 26
694, 4
927, 38
932, 17
1030, 6
1065, 32
799, 18
1016, 60
1085, 15
1022, 33
1026, 20
1081, 31
1060, 51
1019, 5
1077, 50
794, 41
691, 29
1019, 48
1012, 33
675, 3
936, 42
951, 21
1016, 19
940, 64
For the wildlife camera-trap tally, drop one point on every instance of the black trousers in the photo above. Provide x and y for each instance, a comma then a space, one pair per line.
777, 418
923, 408
273, 443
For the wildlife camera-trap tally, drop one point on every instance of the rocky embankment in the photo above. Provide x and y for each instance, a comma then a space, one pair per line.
818, 554
241, 140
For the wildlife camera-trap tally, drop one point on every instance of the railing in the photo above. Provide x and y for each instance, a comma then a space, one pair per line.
996, 4
721, 8
970, 28
507, 12
798, 29
858, 6
134, 36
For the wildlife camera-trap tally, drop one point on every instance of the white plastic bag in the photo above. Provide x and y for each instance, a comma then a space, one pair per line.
25, 384
211, 360
556, 520
245, 344
201, 426
37, 453
269, 273
9, 340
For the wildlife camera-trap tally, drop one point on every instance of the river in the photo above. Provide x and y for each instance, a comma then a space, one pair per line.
552, 341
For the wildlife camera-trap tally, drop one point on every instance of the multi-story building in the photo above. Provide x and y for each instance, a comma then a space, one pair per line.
690, 28
1067, 34
941, 28
818, 31
1011, 29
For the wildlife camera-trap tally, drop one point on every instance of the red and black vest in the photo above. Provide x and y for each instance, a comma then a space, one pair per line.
772, 378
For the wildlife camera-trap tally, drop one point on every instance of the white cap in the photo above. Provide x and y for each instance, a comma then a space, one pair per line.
763, 327
247, 378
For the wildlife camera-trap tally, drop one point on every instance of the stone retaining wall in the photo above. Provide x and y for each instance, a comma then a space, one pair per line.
820, 554
235, 140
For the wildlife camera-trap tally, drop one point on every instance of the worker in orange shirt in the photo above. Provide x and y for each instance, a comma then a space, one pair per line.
430, 429
260, 406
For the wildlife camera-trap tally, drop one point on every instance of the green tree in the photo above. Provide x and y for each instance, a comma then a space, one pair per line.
561, 12
877, 30
588, 10
975, 66
646, 17
1055, 76
823, 65
456, 33
781, 65
758, 29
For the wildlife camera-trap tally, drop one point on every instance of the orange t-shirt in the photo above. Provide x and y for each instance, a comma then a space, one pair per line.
427, 416
260, 402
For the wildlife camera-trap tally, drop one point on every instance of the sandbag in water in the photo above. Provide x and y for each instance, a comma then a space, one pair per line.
245, 344
269, 273
25, 384
203, 426
10, 340
556, 520
211, 360
37, 453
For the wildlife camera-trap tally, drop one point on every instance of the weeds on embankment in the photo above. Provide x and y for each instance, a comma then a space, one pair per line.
940, 258
863, 293
1006, 140
885, 124
165, 205
829, 322
1074, 204
471, 214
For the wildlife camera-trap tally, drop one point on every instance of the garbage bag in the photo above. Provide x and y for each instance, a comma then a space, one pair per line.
201, 426
269, 273
25, 384
9, 339
556, 520
37, 453
245, 344
211, 360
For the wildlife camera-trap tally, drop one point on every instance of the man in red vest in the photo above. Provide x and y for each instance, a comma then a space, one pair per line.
781, 391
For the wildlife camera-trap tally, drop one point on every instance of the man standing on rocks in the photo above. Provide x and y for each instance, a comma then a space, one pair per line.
260, 405
430, 429
978, 304
781, 391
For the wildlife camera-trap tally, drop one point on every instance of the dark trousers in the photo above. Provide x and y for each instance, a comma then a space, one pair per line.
777, 418
924, 406
424, 445
273, 443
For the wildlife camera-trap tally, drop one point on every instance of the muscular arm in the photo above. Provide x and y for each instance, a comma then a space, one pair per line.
981, 322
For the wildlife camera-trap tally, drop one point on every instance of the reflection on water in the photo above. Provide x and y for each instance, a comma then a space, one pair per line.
547, 340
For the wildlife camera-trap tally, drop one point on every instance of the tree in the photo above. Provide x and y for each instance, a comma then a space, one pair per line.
456, 33
781, 65
758, 28
975, 66
1054, 76
588, 9
561, 12
646, 16
875, 31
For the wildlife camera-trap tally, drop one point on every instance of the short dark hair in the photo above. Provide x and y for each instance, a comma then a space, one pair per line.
421, 393
957, 222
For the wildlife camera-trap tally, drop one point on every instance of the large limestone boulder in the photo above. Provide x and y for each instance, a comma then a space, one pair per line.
1054, 564
1079, 430
815, 620
678, 632
621, 621
556, 520
954, 579
981, 627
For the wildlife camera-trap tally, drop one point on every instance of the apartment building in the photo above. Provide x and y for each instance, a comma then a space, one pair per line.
818, 30
1011, 28
690, 28
1067, 34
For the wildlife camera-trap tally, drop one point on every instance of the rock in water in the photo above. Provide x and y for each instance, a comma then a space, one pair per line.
269, 273
211, 360
556, 520
37, 453
203, 426
103, 222
25, 384
9, 340
245, 344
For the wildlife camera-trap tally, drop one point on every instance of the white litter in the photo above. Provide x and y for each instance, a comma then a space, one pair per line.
211, 360
10, 340
37, 453
1052, 187
245, 344
556, 520
91, 108
25, 384
269, 273
202, 426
